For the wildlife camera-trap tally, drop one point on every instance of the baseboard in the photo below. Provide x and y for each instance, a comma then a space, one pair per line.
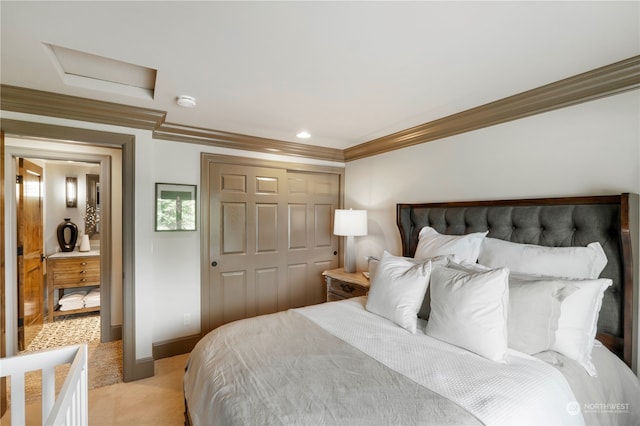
143, 368
172, 347
116, 333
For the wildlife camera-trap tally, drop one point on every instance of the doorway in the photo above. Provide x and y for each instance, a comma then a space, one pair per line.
58, 165
133, 368
74, 287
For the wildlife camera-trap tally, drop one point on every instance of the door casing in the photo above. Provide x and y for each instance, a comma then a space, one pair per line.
133, 368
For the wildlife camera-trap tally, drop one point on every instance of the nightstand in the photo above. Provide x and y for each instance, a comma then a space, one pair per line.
344, 285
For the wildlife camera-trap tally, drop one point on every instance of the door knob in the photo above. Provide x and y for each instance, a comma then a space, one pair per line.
214, 263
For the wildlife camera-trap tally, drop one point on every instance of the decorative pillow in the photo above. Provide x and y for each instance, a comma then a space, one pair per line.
567, 262
469, 309
397, 289
464, 247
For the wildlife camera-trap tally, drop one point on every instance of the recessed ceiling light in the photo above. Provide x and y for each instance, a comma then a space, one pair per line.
186, 101
304, 135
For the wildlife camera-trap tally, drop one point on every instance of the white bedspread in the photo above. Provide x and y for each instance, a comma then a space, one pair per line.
282, 369
337, 363
525, 391
611, 398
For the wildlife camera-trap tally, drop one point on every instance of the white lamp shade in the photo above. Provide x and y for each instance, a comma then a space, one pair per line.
350, 222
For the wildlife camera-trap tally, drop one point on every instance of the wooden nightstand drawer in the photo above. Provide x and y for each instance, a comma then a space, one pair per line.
345, 289
344, 285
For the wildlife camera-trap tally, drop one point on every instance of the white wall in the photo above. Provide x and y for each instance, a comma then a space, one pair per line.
588, 149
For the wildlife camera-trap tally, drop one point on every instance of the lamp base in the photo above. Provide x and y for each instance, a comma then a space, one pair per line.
350, 255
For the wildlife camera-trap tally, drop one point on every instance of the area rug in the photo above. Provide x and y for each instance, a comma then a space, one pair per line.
104, 359
85, 329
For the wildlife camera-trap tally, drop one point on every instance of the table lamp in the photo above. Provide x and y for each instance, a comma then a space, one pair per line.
350, 223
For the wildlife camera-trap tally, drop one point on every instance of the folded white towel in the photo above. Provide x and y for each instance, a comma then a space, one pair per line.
93, 293
75, 296
71, 305
92, 299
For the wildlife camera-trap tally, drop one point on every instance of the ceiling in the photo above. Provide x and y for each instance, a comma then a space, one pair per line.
346, 72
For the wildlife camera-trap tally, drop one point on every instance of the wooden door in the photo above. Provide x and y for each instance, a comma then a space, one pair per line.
270, 239
311, 246
30, 253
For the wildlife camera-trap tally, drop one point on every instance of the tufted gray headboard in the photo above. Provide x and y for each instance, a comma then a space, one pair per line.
555, 222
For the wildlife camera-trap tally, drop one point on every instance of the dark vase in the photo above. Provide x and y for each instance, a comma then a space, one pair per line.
67, 235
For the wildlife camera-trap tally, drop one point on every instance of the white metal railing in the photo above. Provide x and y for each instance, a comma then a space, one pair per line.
72, 405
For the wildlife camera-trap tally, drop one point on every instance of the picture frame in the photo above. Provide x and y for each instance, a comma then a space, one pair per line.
176, 207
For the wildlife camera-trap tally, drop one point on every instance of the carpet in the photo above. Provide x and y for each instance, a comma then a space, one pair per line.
104, 359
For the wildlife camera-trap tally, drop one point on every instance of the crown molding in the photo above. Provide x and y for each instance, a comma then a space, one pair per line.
605, 81
37, 102
600, 82
180, 133
30, 101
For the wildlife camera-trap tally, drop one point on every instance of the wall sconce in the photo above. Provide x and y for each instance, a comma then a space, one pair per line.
72, 192
350, 223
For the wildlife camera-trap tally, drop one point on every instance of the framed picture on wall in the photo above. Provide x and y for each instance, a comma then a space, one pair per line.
176, 207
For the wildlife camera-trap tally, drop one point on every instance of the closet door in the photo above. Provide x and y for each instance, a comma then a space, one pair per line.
312, 199
248, 240
270, 238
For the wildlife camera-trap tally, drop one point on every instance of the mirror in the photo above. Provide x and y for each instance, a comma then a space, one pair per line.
92, 223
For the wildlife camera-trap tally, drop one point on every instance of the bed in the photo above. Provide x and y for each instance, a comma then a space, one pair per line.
440, 353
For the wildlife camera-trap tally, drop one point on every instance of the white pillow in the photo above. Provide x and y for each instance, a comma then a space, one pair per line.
533, 316
372, 266
568, 262
581, 301
465, 247
397, 289
436, 262
469, 309
533, 312
578, 322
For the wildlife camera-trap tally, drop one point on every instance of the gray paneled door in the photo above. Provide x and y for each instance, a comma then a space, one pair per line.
270, 239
